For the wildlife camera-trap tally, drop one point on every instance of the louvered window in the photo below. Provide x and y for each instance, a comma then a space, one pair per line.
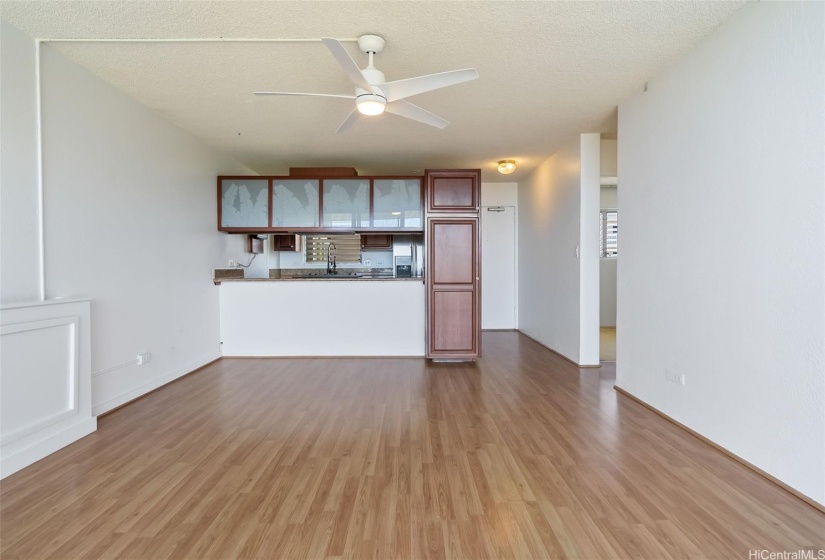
347, 248
609, 233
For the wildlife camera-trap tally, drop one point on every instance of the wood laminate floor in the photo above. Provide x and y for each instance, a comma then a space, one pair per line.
519, 456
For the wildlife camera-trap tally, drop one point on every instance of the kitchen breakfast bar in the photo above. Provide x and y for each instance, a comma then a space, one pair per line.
316, 317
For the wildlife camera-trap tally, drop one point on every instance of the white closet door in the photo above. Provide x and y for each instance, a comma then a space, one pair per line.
498, 267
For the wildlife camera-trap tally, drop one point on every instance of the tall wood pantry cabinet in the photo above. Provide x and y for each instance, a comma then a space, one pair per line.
453, 271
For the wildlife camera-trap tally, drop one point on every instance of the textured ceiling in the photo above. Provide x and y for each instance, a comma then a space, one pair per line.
548, 70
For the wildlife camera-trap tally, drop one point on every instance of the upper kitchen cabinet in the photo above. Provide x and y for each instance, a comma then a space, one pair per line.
243, 204
286, 242
397, 204
376, 242
295, 203
453, 191
346, 203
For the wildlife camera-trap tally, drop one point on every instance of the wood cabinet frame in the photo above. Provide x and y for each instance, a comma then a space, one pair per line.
434, 288
321, 229
464, 318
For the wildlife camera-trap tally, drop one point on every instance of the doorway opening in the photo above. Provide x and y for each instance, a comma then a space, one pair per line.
608, 262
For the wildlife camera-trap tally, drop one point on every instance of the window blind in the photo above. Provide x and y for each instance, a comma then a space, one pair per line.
609, 233
347, 248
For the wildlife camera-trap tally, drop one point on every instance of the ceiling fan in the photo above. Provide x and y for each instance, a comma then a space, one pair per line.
374, 95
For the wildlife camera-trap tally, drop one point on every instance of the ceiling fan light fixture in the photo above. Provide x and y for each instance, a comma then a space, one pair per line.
506, 166
370, 104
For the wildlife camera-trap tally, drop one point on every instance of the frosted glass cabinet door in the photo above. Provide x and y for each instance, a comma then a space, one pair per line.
295, 203
244, 203
397, 203
346, 203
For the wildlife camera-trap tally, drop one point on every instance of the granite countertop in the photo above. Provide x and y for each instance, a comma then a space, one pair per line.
296, 274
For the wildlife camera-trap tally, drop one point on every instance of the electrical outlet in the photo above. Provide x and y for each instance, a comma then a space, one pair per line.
143, 358
231, 263
675, 378
367, 262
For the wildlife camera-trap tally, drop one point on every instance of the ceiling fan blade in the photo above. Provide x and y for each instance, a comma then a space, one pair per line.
400, 89
348, 122
347, 63
406, 109
305, 94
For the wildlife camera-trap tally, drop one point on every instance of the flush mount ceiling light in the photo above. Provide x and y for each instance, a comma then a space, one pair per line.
506, 166
370, 104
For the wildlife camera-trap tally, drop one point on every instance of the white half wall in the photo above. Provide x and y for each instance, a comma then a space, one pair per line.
130, 222
723, 241
551, 274
323, 318
46, 382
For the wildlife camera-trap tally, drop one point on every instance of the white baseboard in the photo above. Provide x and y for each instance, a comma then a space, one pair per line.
141, 390
11, 463
557, 353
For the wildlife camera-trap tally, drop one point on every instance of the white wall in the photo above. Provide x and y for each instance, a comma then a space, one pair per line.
609, 198
609, 158
590, 194
129, 216
607, 292
19, 230
550, 206
499, 194
722, 277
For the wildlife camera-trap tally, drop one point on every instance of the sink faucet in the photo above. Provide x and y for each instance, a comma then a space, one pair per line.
331, 259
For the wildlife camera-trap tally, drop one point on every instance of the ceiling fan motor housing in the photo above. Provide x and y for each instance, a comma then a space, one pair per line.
373, 75
371, 102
